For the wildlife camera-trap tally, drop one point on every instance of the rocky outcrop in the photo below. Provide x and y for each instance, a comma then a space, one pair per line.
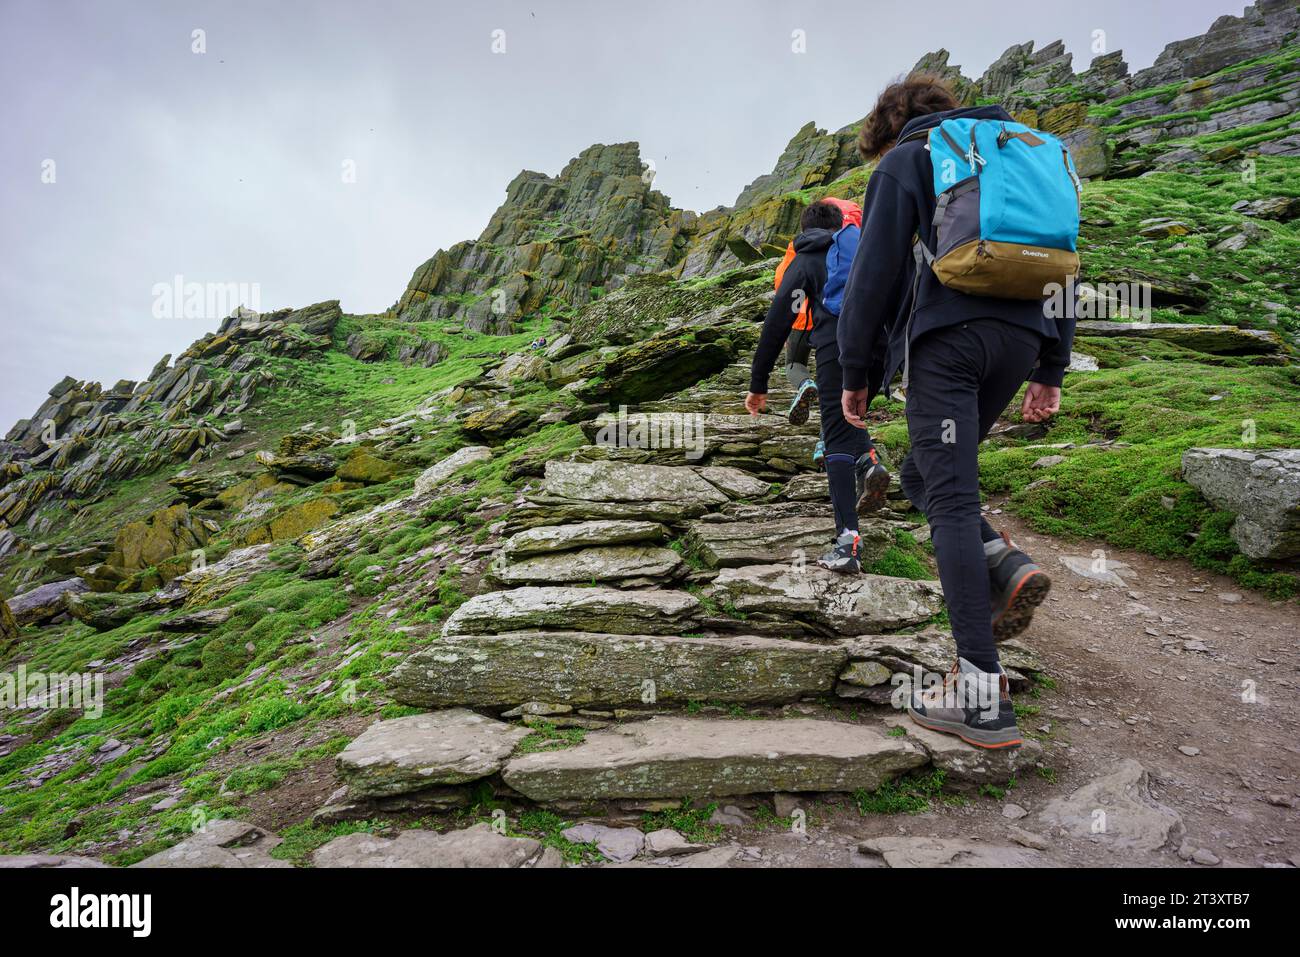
1261, 488
1117, 809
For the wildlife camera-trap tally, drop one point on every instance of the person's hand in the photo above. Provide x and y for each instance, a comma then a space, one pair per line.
854, 405
756, 402
1041, 402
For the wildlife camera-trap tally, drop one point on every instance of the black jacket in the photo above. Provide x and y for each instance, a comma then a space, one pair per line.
804, 280
900, 203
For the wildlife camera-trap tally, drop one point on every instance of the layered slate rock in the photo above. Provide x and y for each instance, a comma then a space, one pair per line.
582, 669
731, 544
423, 750
436, 474
45, 601
562, 538
824, 602
612, 610
1261, 488
690, 757
616, 563
477, 846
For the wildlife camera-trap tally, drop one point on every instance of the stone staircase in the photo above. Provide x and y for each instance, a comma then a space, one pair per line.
662, 600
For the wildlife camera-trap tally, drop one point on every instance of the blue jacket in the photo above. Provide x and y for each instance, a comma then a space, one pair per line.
899, 204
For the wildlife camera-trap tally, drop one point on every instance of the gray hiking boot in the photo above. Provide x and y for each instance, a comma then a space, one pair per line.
1017, 587
974, 705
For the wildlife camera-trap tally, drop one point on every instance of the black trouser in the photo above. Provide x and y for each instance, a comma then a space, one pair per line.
844, 443
960, 379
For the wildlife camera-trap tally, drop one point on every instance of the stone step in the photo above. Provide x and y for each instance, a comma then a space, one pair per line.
563, 538
1214, 339
621, 564
597, 609
673, 757
764, 542
412, 753
812, 600
582, 669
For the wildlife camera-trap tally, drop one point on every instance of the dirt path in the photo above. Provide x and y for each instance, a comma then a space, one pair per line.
1165, 662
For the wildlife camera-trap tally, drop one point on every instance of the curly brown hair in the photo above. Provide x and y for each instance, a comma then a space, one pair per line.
901, 101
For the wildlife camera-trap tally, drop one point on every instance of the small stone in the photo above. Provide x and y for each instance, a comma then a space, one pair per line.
1205, 856
1188, 750
1013, 812
666, 842
618, 844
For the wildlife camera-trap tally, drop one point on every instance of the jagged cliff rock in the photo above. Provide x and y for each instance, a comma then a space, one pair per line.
553, 240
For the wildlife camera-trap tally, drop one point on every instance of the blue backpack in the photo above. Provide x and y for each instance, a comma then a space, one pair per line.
839, 257
1007, 219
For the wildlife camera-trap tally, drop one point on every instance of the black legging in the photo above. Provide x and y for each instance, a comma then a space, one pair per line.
961, 379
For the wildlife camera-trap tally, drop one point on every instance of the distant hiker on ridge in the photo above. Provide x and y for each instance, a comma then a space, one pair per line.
958, 297
857, 480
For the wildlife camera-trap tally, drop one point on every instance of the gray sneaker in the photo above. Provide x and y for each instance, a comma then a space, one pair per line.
843, 557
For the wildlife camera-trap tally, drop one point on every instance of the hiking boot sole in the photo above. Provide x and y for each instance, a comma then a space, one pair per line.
874, 491
989, 740
802, 404
1028, 591
848, 568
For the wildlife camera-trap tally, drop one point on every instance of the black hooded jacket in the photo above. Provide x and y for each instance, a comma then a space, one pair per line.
899, 204
804, 280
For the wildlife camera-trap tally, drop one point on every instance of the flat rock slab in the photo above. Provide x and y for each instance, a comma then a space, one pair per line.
1117, 809
617, 482
477, 846
554, 509
902, 851
423, 750
605, 610
669, 757
221, 843
550, 539
732, 544
966, 767
826, 602
1214, 339
612, 563
581, 668
1105, 571
1261, 488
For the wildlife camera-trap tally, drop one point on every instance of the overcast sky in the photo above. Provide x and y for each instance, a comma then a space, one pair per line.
227, 166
